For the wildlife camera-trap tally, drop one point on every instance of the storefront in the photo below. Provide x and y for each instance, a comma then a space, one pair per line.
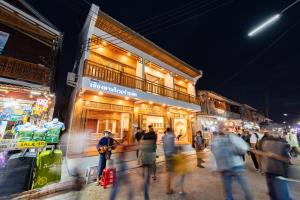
27, 131
95, 112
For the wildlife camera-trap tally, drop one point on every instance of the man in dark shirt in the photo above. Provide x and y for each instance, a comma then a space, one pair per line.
108, 142
138, 136
152, 136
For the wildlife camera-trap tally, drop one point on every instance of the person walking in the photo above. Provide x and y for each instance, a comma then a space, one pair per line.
147, 156
138, 136
228, 149
151, 135
254, 138
169, 150
275, 161
291, 138
104, 147
199, 146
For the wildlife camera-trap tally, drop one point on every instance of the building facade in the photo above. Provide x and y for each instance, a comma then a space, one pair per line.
29, 48
124, 80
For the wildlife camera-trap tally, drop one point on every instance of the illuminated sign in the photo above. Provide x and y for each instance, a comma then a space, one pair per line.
116, 90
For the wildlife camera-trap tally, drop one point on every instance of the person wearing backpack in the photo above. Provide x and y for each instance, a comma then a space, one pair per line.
228, 150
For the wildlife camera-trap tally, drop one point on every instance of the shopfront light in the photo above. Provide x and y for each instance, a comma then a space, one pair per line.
164, 105
127, 98
151, 102
5, 91
100, 93
36, 93
30, 96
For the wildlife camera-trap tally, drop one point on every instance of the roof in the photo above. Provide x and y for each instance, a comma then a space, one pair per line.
124, 33
20, 16
219, 97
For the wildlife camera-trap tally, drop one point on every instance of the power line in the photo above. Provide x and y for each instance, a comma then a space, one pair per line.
264, 51
289, 6
174, 24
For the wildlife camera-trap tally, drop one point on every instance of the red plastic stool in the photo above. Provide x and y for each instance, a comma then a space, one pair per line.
109, 176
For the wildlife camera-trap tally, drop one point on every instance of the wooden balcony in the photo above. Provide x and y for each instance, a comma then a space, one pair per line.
104, 73
24, 71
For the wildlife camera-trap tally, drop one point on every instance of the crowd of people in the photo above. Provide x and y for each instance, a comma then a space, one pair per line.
269, 151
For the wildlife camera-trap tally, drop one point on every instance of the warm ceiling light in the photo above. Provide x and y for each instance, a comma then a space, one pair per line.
30, 96
161, 69
37, 93
104, 43
151, 102
127, 98
100, 93
3, 90
51, 95
186, 80
178, 108
164, 105
129, 54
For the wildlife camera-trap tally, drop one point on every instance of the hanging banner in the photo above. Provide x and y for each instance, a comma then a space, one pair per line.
3, 40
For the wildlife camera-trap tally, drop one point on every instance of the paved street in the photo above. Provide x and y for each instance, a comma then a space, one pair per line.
199, 184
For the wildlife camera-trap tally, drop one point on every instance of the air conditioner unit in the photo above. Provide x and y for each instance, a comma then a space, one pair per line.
71, 79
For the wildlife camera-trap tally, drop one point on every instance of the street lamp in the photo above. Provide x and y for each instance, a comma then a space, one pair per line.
271, 20
285, 114
264, 25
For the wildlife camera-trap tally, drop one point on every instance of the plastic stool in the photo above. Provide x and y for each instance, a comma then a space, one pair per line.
109, 176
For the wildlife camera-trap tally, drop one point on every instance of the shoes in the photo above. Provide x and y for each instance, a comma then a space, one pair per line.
170, 192
154, 178
182, 193
201, 166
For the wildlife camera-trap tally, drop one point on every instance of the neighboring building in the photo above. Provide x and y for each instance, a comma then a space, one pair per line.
125, 80
216, 108
29, 48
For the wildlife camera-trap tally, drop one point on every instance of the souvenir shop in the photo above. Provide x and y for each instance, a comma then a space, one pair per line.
28, 131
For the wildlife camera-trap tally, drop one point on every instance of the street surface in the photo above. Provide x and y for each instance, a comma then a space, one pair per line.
199, 184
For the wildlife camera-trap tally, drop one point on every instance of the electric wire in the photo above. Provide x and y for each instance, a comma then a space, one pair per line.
264, 51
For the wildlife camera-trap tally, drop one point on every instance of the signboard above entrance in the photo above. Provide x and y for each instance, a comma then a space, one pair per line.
105, 88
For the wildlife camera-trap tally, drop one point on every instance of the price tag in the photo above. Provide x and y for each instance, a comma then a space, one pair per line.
36, 144
8, 144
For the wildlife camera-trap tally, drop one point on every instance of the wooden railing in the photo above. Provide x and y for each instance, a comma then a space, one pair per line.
104, 73
22, 70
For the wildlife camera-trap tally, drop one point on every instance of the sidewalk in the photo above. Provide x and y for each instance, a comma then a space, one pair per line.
199, 184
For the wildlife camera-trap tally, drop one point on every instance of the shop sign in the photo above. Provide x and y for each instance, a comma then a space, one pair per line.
36, 144
116, 90
8, 144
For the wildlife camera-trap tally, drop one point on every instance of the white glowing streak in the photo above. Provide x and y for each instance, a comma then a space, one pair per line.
264, 25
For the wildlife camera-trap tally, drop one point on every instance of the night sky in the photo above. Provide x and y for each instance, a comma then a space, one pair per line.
211, 35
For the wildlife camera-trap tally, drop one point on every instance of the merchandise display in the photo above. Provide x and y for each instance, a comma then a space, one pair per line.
48, 168
54, 129
24, 132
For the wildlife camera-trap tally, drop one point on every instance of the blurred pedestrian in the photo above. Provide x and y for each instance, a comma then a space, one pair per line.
148, 155
199, 146
151, 135
169, 150
138, 136
122, 176
105, 145
180, 168
254, 139
291, 138
228, 149
275, 161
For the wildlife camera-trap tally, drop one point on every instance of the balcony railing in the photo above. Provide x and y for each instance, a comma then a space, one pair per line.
104, 73
24, 71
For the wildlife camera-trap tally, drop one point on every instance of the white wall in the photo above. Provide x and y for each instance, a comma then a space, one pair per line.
191, 89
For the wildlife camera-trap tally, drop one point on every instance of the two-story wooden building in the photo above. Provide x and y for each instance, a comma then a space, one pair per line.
125, 80
29, 48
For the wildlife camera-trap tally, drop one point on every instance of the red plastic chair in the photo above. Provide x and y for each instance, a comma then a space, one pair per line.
109, 176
